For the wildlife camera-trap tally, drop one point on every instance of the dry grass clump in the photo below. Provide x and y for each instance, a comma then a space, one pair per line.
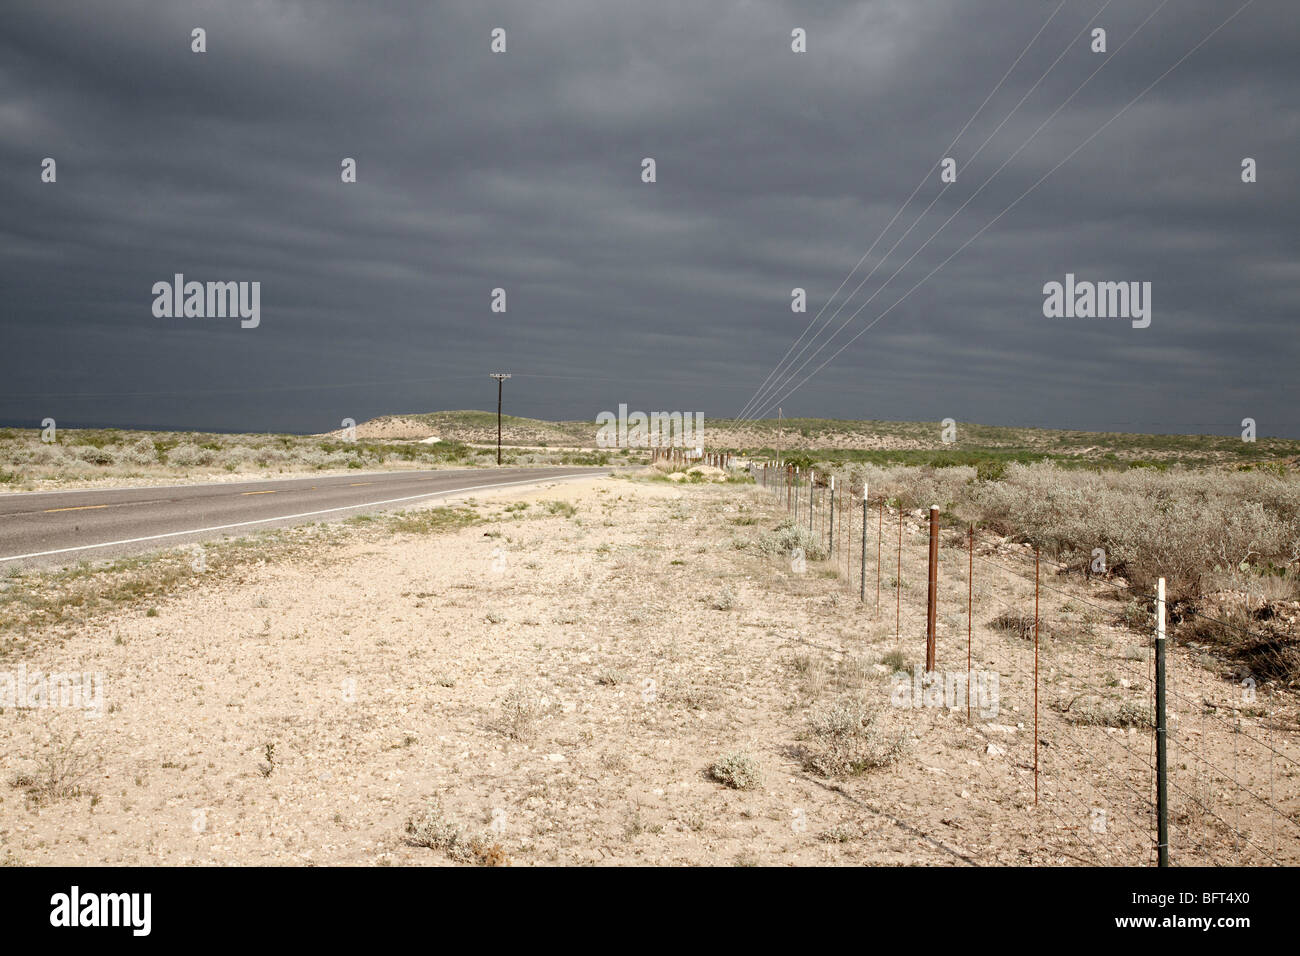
693, 696
818, 671
813, 670
1263, 642
430, 828
726, 599
844, 740
842, 833
62, 770
520, 711
433, 520
1094, 712
1017, 623
895, 660
738, 771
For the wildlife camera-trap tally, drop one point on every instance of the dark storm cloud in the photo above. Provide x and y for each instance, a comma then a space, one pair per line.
522, 171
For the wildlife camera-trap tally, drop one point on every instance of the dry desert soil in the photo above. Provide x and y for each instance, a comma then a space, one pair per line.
617, 671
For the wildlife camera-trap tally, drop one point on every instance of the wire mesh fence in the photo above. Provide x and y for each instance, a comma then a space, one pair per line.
1056, 669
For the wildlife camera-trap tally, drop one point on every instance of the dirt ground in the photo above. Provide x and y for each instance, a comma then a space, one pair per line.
553, 685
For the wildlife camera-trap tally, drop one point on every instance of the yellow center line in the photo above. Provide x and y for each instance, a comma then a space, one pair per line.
258, 493
358, 484
50, 511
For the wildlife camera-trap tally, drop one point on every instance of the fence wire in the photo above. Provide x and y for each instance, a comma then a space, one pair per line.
1093, 767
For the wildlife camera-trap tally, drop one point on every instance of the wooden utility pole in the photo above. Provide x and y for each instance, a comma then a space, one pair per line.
779, 436
500, 377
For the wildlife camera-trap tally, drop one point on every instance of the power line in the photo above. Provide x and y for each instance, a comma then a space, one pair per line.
1066, 49
1015, 202
891, 222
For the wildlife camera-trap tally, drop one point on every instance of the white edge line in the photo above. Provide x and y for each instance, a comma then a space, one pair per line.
235, 484
304, 514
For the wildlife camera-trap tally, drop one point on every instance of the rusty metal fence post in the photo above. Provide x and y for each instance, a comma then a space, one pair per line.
1035, 677
970, 606
830, 522
862, 590
812, 484
898, 580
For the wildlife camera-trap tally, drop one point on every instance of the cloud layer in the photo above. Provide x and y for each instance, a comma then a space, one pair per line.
522, 171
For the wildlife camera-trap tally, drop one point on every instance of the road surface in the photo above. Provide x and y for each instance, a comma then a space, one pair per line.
55, 529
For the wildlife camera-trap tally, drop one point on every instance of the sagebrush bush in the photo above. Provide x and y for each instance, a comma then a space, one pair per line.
142, 452
914, 487
237, 457
1190, 526
790, 535
1178, 525
189, 455
431, 829
520, 711
46, 454
95, 456
845, 740
738, 771
726, 599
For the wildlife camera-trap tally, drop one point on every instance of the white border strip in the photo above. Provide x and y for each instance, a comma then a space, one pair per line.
278, 479
304, 514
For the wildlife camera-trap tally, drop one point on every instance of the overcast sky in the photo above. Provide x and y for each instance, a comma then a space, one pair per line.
522, 170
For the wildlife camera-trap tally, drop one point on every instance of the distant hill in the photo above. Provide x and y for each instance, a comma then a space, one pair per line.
906, 442
479, 427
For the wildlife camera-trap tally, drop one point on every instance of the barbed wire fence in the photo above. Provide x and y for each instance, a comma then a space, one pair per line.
1077, 659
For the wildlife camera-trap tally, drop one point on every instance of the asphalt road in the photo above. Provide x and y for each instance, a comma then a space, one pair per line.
53, 529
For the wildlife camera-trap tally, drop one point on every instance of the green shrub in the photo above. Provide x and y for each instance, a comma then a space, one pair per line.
790, 535
738, 771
